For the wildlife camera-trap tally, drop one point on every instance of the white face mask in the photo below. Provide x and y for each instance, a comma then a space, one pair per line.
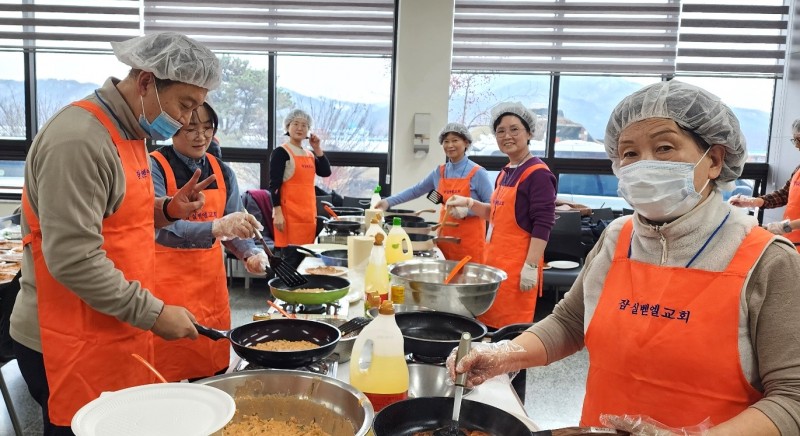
660, 191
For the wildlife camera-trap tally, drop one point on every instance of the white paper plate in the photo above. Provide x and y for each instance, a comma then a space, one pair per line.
166, 409
563, 264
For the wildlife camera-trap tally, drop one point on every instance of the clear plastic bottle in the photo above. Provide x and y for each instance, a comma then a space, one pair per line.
376, 278
376, 197
375, 228
378, 365
398, 244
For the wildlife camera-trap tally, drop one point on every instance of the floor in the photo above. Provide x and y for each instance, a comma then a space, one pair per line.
553, 397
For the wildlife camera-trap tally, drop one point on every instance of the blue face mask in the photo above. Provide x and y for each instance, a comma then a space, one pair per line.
163, 127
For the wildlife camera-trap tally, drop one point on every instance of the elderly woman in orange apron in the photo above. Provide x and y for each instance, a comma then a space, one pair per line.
459, 176
788, 196
292, 171
191, 272
688, 309
521, 214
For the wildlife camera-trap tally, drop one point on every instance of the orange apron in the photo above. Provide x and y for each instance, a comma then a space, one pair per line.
195, 279
86, 352
299, 203
507, 248
792, 210
663, 341
471, 230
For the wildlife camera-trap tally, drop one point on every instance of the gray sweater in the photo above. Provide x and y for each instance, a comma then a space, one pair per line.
769, 347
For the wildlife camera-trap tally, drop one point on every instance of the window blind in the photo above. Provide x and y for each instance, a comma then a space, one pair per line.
748, 39
74, 25
566, 36
358, 27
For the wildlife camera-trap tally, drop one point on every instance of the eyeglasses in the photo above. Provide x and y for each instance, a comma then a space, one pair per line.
195, 133
298, 124
514, 131
795, 141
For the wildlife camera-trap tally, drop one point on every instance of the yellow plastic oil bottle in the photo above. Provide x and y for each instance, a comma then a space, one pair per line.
398, 244
378, 365
375, 227
376, 278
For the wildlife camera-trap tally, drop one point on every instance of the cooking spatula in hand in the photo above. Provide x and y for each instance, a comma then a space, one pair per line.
289, 275
435, 197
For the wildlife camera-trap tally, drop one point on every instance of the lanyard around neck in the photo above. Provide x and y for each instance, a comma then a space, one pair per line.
696, 255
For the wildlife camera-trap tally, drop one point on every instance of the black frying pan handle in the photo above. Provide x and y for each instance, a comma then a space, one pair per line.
305, 250
211, 333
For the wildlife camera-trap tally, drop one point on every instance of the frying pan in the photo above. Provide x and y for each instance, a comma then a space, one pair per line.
334, 257
407, 212
324, 335
335, 289
420, 227
404, 219
338, 210
426, 242
337, 225
430, 413
433, 335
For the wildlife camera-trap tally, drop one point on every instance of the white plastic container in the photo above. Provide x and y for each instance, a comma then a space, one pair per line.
398, 244
376, 197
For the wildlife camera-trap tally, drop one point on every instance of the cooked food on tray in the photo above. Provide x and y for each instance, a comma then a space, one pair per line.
324, 270
284, 345
252, 425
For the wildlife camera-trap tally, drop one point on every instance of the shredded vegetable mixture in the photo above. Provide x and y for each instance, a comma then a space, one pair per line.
252, 425
284, 345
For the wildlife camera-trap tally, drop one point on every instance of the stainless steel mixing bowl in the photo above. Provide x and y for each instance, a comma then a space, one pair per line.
429, 381
471, 292
337, 407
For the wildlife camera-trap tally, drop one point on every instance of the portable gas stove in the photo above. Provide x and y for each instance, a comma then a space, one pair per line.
327, 366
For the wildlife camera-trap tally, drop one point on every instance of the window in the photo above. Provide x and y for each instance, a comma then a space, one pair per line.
472, 96
241, 101
248, 175
584, 105
751, 102
593, 190
12, 173
350, 181
62, 78
347, 97
12, 96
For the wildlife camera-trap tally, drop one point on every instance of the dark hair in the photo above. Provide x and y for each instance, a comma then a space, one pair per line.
161, 84
214, 116
524, 123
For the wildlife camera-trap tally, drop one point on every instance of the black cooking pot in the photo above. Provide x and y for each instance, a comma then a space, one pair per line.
433, 335
324, 335
334, 257
430, 413
335, 225
509, 332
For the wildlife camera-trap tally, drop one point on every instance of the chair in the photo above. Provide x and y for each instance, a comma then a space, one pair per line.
355, 202
605, 214
320, 208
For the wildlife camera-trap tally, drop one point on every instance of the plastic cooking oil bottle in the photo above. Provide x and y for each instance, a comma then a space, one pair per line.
378, 365
398, 244
375, 227
376, 197
376, 278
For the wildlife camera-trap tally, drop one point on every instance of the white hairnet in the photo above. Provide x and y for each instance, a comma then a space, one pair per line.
796, 126
456, 128
514, 108
690, 107
171, 56
297, 114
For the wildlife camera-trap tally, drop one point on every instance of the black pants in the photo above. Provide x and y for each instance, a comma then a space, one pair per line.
31, 365
8, 295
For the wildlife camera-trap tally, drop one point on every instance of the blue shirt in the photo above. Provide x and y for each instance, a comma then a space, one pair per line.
480, 187
192, 234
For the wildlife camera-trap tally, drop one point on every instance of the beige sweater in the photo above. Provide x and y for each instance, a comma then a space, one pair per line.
73, 179
769, 327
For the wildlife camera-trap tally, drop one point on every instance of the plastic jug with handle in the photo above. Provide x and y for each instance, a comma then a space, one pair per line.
398, 244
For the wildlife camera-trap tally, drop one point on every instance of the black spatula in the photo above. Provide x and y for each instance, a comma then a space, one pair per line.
286, 272
435, 197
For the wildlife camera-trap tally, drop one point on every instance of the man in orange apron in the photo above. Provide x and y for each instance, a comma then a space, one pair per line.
521, 214
459, 176
88, 219
291, 183
788, 196
191, 271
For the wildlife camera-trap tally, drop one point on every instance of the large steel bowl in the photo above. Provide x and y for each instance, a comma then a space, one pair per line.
336, 406
470, 293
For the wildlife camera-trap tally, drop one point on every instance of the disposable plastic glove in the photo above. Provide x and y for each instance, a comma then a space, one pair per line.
257, 263
528, 277
485, 361
458, 206
744, 201
235, 225
642, 425
778, 228
382, 205
278, 220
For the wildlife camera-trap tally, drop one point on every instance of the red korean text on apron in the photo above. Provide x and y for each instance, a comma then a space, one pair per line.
507, 249
792, 211
471, 230
195, 279
86, 352
663, 341
298, 203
